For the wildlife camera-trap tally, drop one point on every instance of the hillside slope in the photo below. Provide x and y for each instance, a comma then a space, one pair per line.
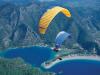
19, 24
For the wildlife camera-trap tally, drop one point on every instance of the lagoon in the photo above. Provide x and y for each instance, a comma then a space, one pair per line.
37, 55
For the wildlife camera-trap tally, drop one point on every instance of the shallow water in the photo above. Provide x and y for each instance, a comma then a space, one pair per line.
37, 55
32, 55
77, 67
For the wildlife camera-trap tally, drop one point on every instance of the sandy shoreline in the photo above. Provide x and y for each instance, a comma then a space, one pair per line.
66, 58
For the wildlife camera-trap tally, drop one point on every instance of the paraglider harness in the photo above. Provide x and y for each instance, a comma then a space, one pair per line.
57, 46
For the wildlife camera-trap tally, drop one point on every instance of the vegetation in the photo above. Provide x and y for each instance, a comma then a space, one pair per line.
18, 67
19, 24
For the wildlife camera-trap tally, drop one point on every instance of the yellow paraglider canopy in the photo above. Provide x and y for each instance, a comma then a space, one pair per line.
49, 15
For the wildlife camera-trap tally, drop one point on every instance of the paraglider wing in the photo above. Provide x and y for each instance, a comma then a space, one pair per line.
48, 17
61, 37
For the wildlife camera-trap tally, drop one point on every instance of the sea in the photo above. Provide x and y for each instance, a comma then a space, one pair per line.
37, 55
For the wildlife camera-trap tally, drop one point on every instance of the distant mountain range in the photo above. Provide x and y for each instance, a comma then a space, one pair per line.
19, 24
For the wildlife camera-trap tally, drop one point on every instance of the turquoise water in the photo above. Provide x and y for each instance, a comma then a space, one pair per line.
32, 55
37, 55
77, 67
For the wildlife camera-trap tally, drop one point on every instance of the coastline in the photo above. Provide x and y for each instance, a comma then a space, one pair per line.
67, 58
37, 45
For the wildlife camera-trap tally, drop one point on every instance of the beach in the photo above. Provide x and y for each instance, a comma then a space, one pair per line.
67, 58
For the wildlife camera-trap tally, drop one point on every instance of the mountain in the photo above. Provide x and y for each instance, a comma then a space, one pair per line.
19, 24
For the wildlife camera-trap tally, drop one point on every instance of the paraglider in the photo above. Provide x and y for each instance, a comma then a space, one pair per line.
60, 38
49, 16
